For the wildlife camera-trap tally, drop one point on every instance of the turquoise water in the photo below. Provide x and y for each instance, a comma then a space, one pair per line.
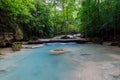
38, 64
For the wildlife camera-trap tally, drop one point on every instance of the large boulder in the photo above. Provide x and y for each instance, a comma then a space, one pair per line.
67, 37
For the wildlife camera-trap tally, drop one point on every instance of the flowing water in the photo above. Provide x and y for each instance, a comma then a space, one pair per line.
39, 64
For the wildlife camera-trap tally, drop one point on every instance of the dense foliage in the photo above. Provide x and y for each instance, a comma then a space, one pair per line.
100, 18
29, 19
31, 16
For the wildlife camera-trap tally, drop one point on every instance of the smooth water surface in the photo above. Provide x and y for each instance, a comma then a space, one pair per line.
39, 64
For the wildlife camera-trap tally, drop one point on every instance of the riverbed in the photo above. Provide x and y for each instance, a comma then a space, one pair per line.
80, 62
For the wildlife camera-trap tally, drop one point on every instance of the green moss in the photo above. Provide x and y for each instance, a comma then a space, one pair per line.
16, 46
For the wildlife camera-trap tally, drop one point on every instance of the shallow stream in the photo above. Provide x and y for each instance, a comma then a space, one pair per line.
39, 64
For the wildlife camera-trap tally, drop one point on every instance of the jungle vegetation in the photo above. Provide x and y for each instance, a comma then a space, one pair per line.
30, 19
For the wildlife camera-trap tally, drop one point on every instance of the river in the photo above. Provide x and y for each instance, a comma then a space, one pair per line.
81, 62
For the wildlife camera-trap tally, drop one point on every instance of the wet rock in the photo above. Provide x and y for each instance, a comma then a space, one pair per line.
116, 77
58, 51
2, 71
85, 54
115, 44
